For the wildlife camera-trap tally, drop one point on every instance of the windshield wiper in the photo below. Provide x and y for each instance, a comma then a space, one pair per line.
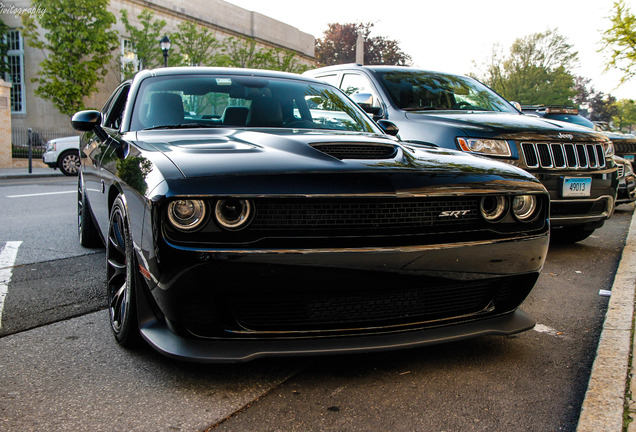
181, 126
421, 109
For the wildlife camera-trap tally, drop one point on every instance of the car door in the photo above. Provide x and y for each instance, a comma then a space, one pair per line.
100, 153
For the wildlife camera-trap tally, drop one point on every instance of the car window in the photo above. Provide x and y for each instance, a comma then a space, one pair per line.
114, 109
331, 79
427, 91
356, 83
244, 101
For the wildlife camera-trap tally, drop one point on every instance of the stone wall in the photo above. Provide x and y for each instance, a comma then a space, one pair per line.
5, 125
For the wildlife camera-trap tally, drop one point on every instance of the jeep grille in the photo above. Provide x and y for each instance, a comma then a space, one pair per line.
563, 155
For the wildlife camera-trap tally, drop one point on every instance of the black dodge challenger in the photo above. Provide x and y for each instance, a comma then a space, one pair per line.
251, 213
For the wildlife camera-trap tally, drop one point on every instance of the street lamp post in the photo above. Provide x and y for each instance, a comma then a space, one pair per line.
165, 47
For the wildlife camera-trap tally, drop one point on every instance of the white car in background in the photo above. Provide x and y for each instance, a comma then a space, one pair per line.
63, 153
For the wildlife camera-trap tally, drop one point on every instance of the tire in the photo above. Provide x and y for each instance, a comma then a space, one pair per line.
69, 162
567, 235
86, 228
121, 276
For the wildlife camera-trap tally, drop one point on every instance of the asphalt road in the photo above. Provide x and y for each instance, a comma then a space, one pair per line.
61, 370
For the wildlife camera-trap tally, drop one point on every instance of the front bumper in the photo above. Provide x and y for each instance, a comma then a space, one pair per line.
231, 351
50, 158
626, 190
307, 302
595, 208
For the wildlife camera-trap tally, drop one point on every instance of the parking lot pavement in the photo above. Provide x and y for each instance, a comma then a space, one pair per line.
609, 396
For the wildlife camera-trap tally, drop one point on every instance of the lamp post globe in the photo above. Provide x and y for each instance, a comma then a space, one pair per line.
165, 44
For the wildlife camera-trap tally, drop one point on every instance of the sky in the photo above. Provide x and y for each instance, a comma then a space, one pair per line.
453, 35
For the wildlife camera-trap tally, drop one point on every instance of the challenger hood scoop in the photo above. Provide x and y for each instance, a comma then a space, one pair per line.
357, 150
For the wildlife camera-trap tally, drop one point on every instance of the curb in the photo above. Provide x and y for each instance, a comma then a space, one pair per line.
604, 404
32, 175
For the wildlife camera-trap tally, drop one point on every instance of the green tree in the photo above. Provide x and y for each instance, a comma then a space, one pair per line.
77, 45
338, 45
536, 70
283, 60
242, 53
144, 40
603, 107
196, 45
625, 118
245, 53
619, 41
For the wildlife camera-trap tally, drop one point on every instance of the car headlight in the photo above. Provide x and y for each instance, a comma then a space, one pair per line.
493, 208
524, 207
50, 146
233, 213
489, 147
186, 214
628, 169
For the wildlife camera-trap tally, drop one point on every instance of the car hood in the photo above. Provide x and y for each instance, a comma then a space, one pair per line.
506, 125
224, 152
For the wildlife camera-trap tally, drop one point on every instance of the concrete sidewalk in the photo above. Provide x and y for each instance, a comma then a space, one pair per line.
609, 403
36, 172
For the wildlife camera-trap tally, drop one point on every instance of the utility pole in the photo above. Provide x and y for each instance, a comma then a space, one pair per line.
360, 49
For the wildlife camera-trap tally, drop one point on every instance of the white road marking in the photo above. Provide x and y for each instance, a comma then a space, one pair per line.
545, 329
7, 260
40, 194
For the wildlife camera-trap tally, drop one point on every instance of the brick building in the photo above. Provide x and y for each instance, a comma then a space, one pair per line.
221, 18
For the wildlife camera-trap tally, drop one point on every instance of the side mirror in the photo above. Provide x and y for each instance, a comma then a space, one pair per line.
389, 127
365, 101
89, 121
517, 105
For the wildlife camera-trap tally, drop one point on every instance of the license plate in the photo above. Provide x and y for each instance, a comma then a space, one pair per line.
576, 186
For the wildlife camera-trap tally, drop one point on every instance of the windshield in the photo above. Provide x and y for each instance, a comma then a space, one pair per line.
195, 101
428, 91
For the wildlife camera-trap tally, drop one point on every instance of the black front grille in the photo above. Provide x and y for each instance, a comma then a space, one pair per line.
577, 208
344, 214
562, 155
357, 151
624, 146
353, 307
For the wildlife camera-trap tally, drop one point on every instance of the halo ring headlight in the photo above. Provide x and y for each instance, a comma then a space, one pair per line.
493, 207
233, 213
524, 207
186, 214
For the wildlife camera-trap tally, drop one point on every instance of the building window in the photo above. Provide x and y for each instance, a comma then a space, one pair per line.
15, 61
129, 60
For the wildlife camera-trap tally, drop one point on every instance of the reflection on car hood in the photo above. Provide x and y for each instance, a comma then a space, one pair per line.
199, 153
505, 125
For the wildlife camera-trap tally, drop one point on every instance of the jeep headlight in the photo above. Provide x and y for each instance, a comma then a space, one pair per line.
488, 147
50, 146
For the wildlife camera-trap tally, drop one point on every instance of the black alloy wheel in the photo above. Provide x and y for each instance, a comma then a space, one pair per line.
121, 277
86, 228
69, 162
